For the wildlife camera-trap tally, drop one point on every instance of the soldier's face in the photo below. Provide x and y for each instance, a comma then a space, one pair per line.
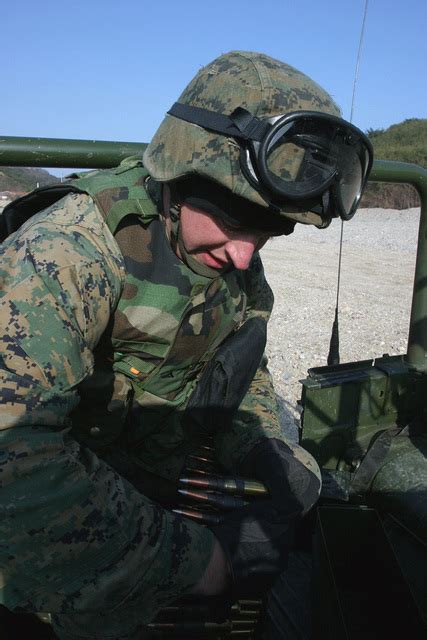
214, 243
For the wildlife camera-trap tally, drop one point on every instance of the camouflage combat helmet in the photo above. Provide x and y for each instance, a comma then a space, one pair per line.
254, 81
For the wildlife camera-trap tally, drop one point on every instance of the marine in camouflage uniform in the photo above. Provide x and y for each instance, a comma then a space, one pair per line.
105, 333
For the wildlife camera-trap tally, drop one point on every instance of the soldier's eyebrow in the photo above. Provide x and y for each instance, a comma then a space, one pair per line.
235, 226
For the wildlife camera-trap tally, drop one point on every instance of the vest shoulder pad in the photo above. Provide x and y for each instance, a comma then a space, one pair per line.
119, 192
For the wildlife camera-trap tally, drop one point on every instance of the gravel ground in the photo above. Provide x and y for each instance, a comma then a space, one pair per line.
379, 250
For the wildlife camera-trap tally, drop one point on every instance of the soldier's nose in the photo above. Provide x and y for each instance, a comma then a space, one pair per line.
240, 252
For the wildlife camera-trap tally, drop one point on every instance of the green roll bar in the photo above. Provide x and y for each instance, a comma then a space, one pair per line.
403, 172
67, 154
91, 154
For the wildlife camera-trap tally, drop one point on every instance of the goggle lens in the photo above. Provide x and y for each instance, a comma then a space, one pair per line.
300, 165
306, 156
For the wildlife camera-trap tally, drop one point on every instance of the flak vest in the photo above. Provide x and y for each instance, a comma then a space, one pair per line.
167, 324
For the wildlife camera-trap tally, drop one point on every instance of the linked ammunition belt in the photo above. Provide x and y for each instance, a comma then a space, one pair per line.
205, 495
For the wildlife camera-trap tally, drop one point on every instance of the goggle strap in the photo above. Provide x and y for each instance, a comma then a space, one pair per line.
204, 118
240, 124
250, 126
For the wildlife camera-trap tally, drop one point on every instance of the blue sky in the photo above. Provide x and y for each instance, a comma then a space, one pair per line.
109, 70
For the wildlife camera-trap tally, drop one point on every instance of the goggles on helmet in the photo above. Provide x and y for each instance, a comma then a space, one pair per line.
309, 159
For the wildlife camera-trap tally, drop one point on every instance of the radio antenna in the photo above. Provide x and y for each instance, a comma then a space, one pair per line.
334, 344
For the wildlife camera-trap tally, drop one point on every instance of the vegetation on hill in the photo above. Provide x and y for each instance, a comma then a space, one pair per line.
404, 142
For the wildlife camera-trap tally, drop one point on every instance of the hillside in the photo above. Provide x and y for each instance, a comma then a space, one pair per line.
23, 179
405, 142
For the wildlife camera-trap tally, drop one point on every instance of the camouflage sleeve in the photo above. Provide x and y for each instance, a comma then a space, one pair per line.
257, 417
74, 535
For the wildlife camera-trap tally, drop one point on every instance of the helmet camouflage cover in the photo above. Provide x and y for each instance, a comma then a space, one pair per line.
254, 81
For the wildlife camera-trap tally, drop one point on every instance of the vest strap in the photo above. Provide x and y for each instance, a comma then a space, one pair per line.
146, 209
120, 192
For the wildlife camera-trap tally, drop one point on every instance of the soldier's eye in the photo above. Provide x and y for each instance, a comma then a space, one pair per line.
229, 226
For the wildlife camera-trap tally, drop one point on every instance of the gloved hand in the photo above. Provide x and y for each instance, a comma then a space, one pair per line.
257, 538
293, 485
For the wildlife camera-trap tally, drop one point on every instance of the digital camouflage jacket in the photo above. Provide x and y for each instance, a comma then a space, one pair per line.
79, 308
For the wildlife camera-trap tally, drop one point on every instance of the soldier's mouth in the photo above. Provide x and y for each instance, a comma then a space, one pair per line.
211, 261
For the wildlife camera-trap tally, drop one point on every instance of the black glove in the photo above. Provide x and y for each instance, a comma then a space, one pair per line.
257, 538
292, 486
